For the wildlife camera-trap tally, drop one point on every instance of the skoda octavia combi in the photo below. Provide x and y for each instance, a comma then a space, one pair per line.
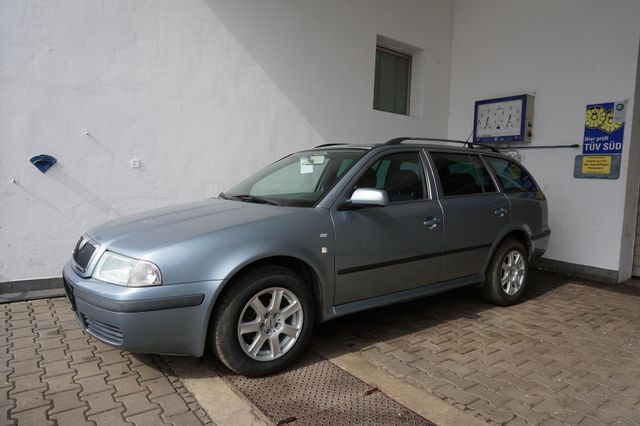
318, 234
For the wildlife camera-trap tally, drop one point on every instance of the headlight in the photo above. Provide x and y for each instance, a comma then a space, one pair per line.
122, 270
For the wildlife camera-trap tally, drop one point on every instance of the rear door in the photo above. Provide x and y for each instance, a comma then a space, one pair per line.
474, 212
382, 250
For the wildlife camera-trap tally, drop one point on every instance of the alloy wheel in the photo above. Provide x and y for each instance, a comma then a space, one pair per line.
512, 272
270, 324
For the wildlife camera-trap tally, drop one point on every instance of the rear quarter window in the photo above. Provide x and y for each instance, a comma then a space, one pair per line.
512, 177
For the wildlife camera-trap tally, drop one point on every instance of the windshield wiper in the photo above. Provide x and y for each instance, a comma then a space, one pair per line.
249, 199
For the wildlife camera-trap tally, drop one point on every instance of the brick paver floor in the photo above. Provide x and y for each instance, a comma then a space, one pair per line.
53, 373
568, 354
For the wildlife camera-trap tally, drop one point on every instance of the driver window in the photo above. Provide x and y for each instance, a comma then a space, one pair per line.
400, 175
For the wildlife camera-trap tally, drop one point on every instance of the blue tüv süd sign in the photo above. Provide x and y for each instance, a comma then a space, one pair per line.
603, 133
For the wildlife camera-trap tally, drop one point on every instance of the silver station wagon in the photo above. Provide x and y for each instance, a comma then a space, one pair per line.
318, 234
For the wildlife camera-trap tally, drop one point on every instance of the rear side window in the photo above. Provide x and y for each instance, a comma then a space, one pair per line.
462, 174
511, 176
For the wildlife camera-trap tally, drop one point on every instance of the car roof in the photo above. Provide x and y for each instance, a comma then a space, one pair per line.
417, 143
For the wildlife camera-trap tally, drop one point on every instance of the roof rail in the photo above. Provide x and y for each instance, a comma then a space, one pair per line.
329, 144
398, 141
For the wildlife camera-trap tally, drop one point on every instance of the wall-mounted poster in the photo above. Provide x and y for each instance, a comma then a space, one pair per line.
604, 128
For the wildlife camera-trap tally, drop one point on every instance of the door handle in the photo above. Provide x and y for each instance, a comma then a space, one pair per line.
431, 222
500, 211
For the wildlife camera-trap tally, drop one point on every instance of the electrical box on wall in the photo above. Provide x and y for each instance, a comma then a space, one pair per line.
508, 119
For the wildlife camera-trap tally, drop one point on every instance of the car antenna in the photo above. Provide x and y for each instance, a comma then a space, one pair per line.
469, 137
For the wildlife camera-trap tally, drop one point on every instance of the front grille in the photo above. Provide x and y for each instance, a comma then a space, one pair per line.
83, 252
103, 331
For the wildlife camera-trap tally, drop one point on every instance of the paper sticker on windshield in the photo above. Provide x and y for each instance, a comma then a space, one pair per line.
316, 159
305, 166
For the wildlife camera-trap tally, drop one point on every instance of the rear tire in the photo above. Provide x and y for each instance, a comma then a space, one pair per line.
264, 322
507, 274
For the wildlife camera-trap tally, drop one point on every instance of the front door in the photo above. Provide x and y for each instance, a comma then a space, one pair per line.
382, 250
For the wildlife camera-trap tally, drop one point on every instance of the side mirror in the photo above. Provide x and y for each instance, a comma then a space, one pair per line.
369, 197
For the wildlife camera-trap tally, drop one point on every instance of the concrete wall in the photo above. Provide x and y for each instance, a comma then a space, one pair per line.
568, 53
201, 91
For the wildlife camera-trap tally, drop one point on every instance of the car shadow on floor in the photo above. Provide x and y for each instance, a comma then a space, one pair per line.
361, 330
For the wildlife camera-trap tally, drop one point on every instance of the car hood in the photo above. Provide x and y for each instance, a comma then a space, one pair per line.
142, 233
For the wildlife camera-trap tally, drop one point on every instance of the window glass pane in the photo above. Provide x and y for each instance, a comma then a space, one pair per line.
300, 179
391, 87
511, 176
462, 174
344, 166
400, 175
291, 179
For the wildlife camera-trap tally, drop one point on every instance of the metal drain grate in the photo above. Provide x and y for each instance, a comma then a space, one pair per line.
316, 392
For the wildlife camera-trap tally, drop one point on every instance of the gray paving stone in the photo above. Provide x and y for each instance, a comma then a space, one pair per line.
22, 332
88, 369
75, 417
184, 419
27, 382
149, 418
159, 387
56, 368
111, 357
27, 322
171, 404
148, 372
78, 356
126, 385
5, 398
137, 403
101, 402
139, 359
93, 384
110, 418
67, 400
34, 416
28, 400
118, 370
74, 334
22, 342
51, 342
51, 355
61, 383
4, 416
77, 344
21, 368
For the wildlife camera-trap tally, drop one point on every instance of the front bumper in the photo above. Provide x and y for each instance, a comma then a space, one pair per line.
166, 319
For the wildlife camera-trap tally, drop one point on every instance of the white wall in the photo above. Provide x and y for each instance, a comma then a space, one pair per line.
203, 92
321, 54
568, 53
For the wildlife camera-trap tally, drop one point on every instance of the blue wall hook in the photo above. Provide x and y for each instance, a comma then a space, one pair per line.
43, 162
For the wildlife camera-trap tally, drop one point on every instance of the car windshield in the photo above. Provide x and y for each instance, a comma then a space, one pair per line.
298, 180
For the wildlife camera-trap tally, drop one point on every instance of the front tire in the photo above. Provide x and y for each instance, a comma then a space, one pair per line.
507, 274
264, 322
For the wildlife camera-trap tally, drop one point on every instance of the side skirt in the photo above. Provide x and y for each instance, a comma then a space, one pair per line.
402, 296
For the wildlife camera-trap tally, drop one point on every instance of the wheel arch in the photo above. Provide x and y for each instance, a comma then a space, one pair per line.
303, 268
518, 234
